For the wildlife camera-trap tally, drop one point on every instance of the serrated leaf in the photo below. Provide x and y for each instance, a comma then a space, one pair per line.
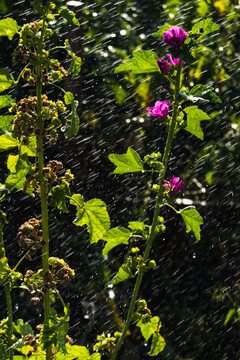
206, 26
192, 220
31, 148
17, 179
73, 117
162, 30
124, 273
136, 227
59, 193
230, 313
68, 98
150, 327
8, 27
12, 162
6, 123
143, 61
6, 79
23, 328
129, 162
158, 345
114, 237
202, 92
194, 117
7, 142
5, 100
68, 15
93, 214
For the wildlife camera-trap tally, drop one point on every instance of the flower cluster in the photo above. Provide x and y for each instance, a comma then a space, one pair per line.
30, 237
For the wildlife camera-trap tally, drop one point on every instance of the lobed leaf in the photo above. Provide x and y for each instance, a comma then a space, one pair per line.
137, 227
129, 162
69, 15
124, 273
7, 142
93, 214
74, 119
114, 237
8, 27
192, 220
158, 345
5, 100
30, 149
204, 27
143, 61
59, 194
194, 117
162, 30
6, 79
77, 352
150, 327
201, 92
6, 123
17, 179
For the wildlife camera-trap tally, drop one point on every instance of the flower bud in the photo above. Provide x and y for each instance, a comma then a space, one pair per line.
163, 66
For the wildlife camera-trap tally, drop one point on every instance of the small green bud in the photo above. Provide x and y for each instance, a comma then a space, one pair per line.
160, 219
155, 187
135, 250
152, 264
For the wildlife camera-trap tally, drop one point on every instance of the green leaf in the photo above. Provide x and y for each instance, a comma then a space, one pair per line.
230, 313
23, 328
158, 345
194, 117
143, 61
129, 162
6, 80
55, 332
68, 98
162, 30
7, 142
124, 273
114, 237
19, 357
207, 26
5, 100
76, 63
95, 356
136, 227
192, 220
6, 123
12, 162
73, 117
17, 179
68, 15
203, 93
93, 214
30, 149
8, 27
4, 268
59, 193
150, 327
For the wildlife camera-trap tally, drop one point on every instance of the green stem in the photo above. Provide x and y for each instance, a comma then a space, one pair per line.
8, 300
159, 202
43, 189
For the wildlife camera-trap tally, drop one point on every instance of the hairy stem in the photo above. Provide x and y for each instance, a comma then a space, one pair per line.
159, 202
8, 299
43, 189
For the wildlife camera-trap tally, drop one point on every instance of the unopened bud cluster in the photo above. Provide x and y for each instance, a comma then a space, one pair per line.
29, 236
106, 342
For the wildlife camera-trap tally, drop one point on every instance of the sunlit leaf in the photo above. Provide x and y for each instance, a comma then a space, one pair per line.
205, 27
68, 98
59, 193
5, 100
192, 220
129, 162
162, 30
8, 142
69, 15
150, 327
194, 117
143, 61
74, 119
124, 273
93, 214
136, 227
6, 79
114, 237
17, 179
203, 93
31, 148
230, 313
6, 123
76, 63
12, 162
158, 345
8, 27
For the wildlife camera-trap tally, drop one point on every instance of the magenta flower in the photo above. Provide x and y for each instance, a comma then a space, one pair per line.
174, 185
163, 66
174, 62
160, 109
175, 36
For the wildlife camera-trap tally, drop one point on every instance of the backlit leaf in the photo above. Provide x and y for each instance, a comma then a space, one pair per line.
192, 220
59, 193
114, 237
68, 98
124, 273
6, 123
158, 345
230, 313
143, 61
76, 63
30, 149
162, 30
8, 27
17, 179
93, 214
74, 119
69, 15
136, 227
8, 142
205, 27
194, 117
6, 79
129, 162
150, 327
5, 100
12, 162
203, 93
